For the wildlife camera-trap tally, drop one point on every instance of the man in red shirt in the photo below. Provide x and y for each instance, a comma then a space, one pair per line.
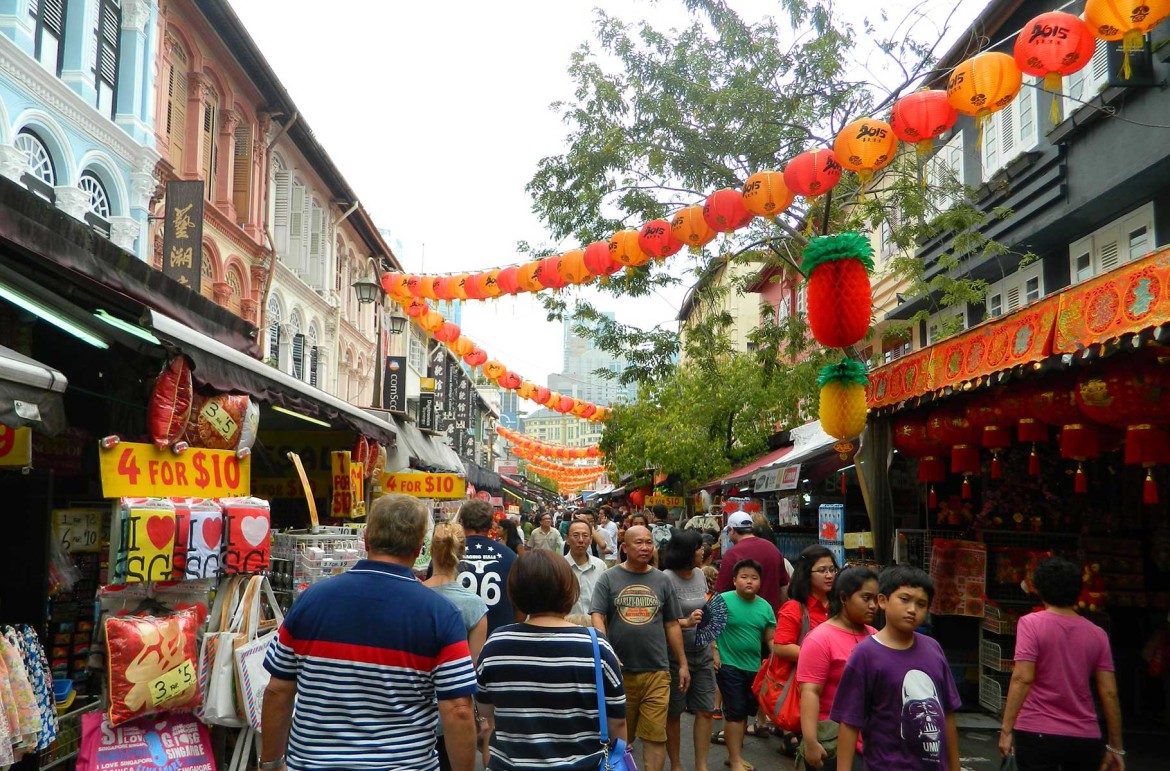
774, 578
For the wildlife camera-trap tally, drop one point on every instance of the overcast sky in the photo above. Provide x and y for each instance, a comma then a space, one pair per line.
437, 114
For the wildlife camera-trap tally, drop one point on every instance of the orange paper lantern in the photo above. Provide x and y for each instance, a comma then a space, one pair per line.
573, 267
431, 321
426, 287
490, 284
528, 277
459, 286
691, 229
865, 146
766, 195
984, 84
494, 370
526, 390
625, 250
462, 346
1126, 21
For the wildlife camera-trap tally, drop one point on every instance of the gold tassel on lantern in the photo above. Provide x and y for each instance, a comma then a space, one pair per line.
843, 408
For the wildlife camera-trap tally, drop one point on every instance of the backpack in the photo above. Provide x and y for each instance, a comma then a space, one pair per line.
661, 532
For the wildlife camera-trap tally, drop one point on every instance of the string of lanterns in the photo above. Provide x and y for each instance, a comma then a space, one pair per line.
449, 334
535, 458
547, 449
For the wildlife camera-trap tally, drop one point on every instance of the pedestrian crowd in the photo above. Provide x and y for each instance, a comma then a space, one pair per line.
560, 642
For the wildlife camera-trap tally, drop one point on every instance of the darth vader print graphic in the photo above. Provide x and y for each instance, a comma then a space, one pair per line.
922, 718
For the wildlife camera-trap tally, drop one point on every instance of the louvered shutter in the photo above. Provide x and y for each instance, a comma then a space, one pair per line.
313, 366
1007, 133
209, 148
108, 33
1013, 298
53, 15
298, 357
1108, 248
280, 210
274, 341
242, 173
314, 235
177, 115
296, 224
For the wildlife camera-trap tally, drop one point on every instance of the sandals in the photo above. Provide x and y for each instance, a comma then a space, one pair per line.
755, 729
746, 765
718, 738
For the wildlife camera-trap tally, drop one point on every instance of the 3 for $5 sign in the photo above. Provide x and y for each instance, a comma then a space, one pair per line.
130, 469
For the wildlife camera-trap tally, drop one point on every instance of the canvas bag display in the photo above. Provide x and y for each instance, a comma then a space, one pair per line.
217, 665
618, 757
251, 647
775, 685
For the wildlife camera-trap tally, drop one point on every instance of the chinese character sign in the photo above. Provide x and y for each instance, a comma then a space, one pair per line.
183, 233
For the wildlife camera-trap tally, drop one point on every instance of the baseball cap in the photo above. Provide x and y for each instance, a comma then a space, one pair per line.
740, 521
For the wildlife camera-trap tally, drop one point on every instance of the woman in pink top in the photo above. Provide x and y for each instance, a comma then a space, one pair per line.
822, 660
1049, 720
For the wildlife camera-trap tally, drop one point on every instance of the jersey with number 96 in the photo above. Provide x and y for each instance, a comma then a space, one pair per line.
484, 573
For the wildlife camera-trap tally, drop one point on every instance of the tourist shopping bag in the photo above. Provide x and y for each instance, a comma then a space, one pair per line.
775, 686
251, 648
618, 757
247, 748
217, 666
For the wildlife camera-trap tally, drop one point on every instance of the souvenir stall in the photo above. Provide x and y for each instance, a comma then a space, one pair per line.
1043, 432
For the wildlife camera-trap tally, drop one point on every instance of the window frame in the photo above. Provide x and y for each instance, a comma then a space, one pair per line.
105, 8
93, 217
36, 9
45, 188
1005, 124
1114, 234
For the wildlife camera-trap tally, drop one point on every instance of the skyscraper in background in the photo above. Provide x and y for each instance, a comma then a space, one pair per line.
582, 359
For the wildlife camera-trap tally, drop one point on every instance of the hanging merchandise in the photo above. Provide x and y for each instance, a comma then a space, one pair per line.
217, 421
865, 146
984, 84
251, 645
812, 173
766, 195
950, 428
1055, 402
216, 664
1125, 21
151, 664
843, 407
911, 438
248, 430
248, 525
171, 742
1052, 46
204, 539
922, 117
170, 403
145, 541
839, 296
986, 412
725, 211
29, 719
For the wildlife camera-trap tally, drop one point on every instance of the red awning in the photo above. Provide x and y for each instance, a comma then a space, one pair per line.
744, 473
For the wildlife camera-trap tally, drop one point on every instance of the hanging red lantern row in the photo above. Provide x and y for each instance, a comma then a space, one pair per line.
547, 448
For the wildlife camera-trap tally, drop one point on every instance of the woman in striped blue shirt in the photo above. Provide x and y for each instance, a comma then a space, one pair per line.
537, 685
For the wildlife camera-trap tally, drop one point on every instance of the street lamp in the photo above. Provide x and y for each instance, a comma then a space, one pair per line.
370, 291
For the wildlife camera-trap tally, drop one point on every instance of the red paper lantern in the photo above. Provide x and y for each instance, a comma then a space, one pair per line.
507, 280
625, 250
414, 285
473, 286
416, 308
598, 261
565, 404
550, 273
812, 173
588, 411
922, 117
443, 288
1051, 46
689, 228
476, 357
448, 332
541, 395
725, 211
510, 380
657, 240
950, 427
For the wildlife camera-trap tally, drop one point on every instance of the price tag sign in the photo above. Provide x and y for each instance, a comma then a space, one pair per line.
219, 419
859, 540
669, 501
441, 486
78, 530
173, 684
132, 470
15, 447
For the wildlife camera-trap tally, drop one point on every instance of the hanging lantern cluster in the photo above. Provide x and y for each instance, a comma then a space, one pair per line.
839, 295
449, 333
547, 449
843, 408
911, 438
949, 427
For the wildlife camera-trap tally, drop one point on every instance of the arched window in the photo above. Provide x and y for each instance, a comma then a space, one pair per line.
273, 330
99, 200
41, 175
234, 280
207, 277
298, 347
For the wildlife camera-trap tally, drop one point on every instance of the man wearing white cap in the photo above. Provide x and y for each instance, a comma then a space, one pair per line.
773, 578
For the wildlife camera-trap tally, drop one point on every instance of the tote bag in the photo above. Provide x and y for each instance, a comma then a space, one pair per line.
217, 667
775, 686
251, 646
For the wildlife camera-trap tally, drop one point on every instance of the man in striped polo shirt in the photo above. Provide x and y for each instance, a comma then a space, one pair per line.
363, 657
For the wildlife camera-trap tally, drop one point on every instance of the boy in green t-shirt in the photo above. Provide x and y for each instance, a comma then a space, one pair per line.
750, 623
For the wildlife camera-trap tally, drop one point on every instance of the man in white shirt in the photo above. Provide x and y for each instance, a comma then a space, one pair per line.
609, 531
545, 537
584, 565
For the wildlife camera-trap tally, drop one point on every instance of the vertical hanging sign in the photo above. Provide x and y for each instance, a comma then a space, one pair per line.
438, 371
183, 233
394, 384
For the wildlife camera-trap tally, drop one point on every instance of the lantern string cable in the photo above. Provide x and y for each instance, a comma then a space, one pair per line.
1107, 110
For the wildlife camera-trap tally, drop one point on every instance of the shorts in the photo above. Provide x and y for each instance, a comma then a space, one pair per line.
739, 703
647, 698
700, 697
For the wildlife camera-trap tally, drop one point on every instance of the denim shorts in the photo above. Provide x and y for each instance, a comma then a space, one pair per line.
739, 703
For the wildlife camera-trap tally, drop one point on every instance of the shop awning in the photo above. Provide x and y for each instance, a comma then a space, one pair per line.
429, 452
744, 473
225, 369
1123, 302
30, 394
481, 477
811, 445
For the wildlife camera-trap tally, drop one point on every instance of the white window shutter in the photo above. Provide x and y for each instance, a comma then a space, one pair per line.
1027, 135
1007, 134
280, 202
1013, 298
296, 224
314, 234
1106, 243
298, 356
990, 148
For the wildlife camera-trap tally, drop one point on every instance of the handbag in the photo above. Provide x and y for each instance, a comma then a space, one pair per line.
618, 757
251, 646
775, 686
217, 666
